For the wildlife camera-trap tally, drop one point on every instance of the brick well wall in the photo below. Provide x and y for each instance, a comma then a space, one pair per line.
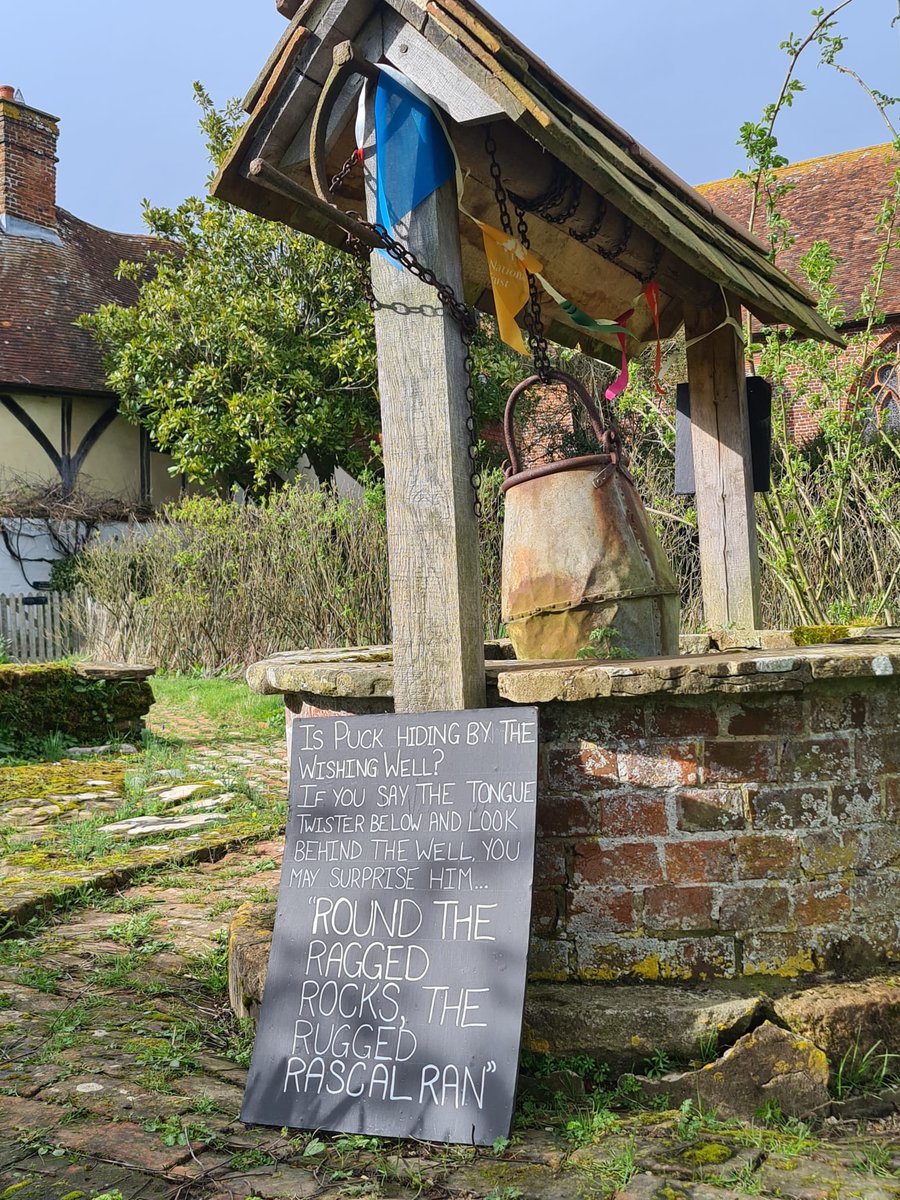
683, 839
719, 838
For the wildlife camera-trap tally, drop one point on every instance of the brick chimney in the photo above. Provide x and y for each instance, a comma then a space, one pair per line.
27, 167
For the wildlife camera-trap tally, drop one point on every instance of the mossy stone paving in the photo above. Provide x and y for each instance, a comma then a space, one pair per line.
95, 823
122, 1070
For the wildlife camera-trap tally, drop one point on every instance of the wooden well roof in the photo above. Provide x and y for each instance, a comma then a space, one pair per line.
560, 155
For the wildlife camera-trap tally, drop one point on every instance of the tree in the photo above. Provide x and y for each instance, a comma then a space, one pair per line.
251, 344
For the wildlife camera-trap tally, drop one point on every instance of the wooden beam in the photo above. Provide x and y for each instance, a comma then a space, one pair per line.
432, 529
528, 170
436, 74
720, 437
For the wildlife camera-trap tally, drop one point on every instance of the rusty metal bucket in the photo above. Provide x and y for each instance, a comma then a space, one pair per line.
579, 553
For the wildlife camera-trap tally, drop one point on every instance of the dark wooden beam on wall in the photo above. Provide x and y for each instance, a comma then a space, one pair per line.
27, 422
66, 464
146, 478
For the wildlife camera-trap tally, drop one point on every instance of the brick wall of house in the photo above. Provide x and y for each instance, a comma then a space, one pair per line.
803, 419
27, 163
682, 840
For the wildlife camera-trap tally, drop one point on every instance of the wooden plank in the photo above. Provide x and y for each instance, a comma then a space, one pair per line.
629, 185
434, 72
40, 633
369, 45
298, 92
53, 624
433, 553
726, 520
521, 94
414, 13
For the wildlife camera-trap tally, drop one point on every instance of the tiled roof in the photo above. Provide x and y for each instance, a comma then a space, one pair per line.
836, 198
44, 288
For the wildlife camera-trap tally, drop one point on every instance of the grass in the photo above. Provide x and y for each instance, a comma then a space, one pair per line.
876, 1160
227, 703
864, 1072
210, 969
42, 979
135, 931
175, 1131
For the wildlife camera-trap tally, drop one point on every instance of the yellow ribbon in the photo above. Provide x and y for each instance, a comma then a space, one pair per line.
509, 263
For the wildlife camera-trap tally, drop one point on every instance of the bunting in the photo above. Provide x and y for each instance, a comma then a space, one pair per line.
620, 383
509, 263
651, 295
414, 156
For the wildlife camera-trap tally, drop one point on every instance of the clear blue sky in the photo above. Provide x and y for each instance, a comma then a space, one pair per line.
680, 75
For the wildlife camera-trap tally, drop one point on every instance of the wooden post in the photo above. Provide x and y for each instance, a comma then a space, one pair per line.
720, 438
433, 555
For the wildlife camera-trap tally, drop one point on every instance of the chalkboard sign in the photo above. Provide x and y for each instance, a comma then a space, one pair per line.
394, 997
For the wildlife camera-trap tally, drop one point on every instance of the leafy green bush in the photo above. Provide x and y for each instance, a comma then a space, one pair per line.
213, 584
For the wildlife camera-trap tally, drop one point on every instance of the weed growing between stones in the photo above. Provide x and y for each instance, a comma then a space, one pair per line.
42, 979
877, 1161
240, 1042
589, 1126
693, 1119
136, 931
119, 903
210, 969
118, 970
246, 1160
67, 1030
774, 1132
618, 1169
84, 840
175, 1131
865, 1073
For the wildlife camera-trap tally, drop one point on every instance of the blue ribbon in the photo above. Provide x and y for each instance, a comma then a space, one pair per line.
412, 155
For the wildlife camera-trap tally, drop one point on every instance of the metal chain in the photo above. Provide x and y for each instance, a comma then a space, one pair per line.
464, 316
534, 320
337, 180
587, 236
544, 205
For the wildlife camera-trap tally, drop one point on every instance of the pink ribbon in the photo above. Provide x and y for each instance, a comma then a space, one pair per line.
651, 294
620, 383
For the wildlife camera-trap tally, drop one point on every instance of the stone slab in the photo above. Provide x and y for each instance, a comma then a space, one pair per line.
846, 1018
736, 672
625, 1025
767, 1065
114, 670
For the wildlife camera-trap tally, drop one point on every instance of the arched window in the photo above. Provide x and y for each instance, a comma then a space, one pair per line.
883, 387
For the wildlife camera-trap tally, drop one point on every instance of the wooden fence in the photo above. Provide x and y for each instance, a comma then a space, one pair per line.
38, 628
